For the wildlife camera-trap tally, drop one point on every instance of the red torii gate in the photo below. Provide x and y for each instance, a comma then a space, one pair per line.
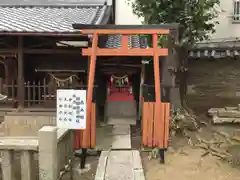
155, 127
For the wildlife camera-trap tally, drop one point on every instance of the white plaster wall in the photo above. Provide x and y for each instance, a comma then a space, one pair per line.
124, 14
226, 29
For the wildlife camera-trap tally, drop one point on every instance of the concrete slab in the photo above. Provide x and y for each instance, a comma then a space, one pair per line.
102, 163
121, 137
119, 166
121, 142
137, 166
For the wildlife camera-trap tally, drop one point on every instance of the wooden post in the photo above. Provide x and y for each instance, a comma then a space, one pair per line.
20, 88
157, 111
141, 92
1, 85
91, 76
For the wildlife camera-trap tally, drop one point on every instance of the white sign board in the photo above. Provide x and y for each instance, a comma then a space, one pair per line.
71, 109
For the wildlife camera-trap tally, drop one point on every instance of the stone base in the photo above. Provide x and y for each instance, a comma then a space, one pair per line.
26, 123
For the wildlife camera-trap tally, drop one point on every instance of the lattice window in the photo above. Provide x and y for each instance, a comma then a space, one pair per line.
236, 10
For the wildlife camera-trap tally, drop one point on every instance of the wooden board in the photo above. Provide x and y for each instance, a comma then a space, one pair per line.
155, 129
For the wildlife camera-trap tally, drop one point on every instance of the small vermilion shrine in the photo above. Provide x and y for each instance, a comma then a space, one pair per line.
120, 88
155, 110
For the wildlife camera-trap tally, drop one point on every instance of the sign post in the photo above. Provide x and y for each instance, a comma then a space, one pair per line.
71, 109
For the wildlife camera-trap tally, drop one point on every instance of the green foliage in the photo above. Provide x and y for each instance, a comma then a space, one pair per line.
196, 17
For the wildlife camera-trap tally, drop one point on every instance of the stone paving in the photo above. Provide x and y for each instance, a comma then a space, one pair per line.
119, 164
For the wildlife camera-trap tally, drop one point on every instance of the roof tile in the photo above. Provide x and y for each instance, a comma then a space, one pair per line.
46, 19
134, 41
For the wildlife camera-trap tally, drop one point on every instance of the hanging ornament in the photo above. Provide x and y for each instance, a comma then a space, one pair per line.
61, 82
111, 79
126, 79
130, 90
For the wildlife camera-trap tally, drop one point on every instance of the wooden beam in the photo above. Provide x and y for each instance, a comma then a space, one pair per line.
126, 52
20, 88
171, 26
120, 70
116, 64
124, 72
126, 31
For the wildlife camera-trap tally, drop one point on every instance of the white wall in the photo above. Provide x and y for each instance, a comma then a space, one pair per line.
225, 30
124, 14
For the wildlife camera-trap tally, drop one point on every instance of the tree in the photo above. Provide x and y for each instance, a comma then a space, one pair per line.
197, 19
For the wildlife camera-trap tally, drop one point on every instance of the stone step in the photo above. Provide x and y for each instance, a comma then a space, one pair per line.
224, 112
122, 121
121, 109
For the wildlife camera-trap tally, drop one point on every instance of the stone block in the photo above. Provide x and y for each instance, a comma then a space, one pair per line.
212, 111
26, 123
221, 120
48, 153
229, 113
230, 108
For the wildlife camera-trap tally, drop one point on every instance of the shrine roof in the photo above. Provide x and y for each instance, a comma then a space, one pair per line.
50, 16
134, 41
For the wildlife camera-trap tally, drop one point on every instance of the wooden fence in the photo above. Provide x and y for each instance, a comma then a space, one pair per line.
36, 93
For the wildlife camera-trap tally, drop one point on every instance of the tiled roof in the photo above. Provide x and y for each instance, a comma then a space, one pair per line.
214, 53
134, 41
217, 49
51, 2
47, 18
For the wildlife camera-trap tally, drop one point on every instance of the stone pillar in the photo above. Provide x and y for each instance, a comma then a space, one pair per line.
48, 153
7, 165
27, 166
